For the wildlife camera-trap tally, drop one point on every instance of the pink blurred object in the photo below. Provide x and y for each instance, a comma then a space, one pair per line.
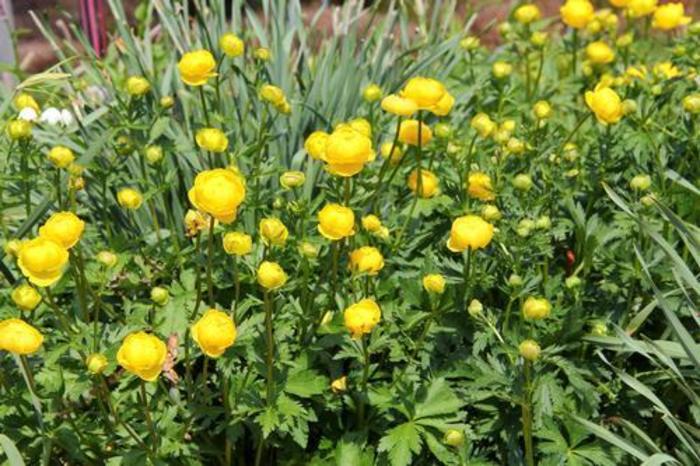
93, 19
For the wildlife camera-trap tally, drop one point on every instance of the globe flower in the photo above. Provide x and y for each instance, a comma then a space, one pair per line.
398, 105
237, 243
292, 179
61, 157
371, 223
24, 100
691, 103
96, 363
666, 70
543, 222
428, 94
430, 184
339, 385
18, 130
409, 134
160, 295
347, 151
218, 192
536, 308
42, 261
479, 186
490, 213
271, 276
154, 154
232, 45
529, 350
197, 67
522, 182
372, 93
539, 38
577, 13
362, 317
434, 283
273, 231
469, 232
214, 332
670, 16
308, 250
262, 54
143, 355
26, 297
315, 144
361, 125
470, 43
167, 101
129, 198
483, 125
605, 104
640, 182
392, 152
107, 258
137, 86
453, 438
272, 94
542, 110
501, 69
599, 53
211, 139
195, 222
640, 8
18, 337
336, 222
527, 13
63, 228
366, 259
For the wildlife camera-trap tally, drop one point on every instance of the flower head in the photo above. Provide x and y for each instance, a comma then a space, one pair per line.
197, 67
273, 231
42, 261
347, 150
143, 355
434, 283
237, 243
469, 232
25, 297
231, 45
129, 198
430, 184
479, 186
670, 16
409, 133
61, 157
64, 228
577, 13
536, 308
211, 139
362, 317
18, 337
336, 222
218, 192
214, 332
366, 259
605, 104
271, 276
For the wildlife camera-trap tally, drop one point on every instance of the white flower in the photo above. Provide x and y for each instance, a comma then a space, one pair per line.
51, 116
27, 114
67, 117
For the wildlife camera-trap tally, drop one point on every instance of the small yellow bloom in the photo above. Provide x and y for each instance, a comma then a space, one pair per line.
453, 438
218, 192
483, 125
273, 231
640, 8
271, 276
605, 104
26, 297
347, 151
129, 198
361, 125
394, 155
527, 13
434, 283
469, 232
372, 93
529, 350
670, 16
409, 134
61, 156
430, 184
262, 54
479, 186
399, 106
536, 308
18, 337
24, 100
640, 182
137, 86
315, 144
197, 67
371, 223
599, 53
339, 385
96, 363
336, 222
64, 228
577, 13
292, 179
539, 38
666, 70
308, 250
154, 154
501, 69
362, 317
18, 130
490, 213
214, 332
272, 94
42, 261
211, 139
470, 43
542, 110
232, 45
237, 243
107, 258
366, 259
160, 295
195, 222
691, 103
143, 355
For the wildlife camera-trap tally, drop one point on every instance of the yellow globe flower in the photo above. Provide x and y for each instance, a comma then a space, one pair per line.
409, 134
211, 139
371, 223
501, 69
42, 261
129, 198
430, 184
339, 385
262, 54
361, 125
483, 125
366, 259
143, 355
218, 192
428, 94
214, 332
605, 104
469, 232
599, 53
666, 70
292, 179
24, 100
536, 308
398, 105
336, 222
542, 110
61, 157
272, 94
527, 13
670, 16
347, 151
479, 186
18, 337
137, 86
64, 228
394, 155
19, 129
315, 145
529, 350
237, 243
640, 8
362, 317
96, 363
271, 276
273, 231
160, 295
107, 258
372, 93
434, 283
232, 45
691, 103
577, 13
26, 297
197, 67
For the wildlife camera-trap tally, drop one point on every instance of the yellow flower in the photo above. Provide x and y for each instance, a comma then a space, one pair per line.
26, 297
214, 332
453, 438
197, 67
292, 179
577, 13
129, 198
262, 54
272, 94
501, 69
64, 228
315, 144
347, 151
308, 250
428, 94
490, 213
398, 105
96, 363
61, 156
19, 129
137, 86
362, 317
231, 45
339, 385
271, 276
434, 283
479, 186
195, 222
361, 125
396, 154
107, 258
599, 53
154, 154
666, 70
336, 222
605, 104
430, 184
469, 232
691, 103
539, 38
536, 308
237, 243
640, 182
366, 259
18, 337
670, 16
143, 355
529, 350
527, 13
483, 125
470, 43
273, 231
408, 133
160, 295
218, 192
24, 100
639, 8
372, 93
42, 261
211, 139
371, 223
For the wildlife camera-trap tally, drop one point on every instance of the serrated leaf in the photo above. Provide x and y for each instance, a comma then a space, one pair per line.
439, 399
401, 443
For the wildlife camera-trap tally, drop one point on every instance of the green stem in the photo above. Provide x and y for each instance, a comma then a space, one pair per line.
147, 415
210, 257
365, 380
527, 417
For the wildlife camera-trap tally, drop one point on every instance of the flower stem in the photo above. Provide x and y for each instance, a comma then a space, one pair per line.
365, 380
527, 417
210, 257
147, 416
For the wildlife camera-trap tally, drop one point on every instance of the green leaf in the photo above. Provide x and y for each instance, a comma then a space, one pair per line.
13, 456
268, 420
438, 400
305, 383
401, 443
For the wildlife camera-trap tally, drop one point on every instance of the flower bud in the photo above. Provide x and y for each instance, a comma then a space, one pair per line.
96, 363
107, 258
443, 130
640, 182
372, 93
339, 385
501, 69
160, 296
536, 308
154, 154
515, 146
523, 182
308, 250
18, 130
475, 308
539, 38
529, 350
572, 282
167, 101
137, 86
629, 107
515, 280
453, 438
262, 54
648, 200
543, 223
691, 103
434, 283
599, 329
470, 43
26, 297
292, 179
490, 213
232, 45
542, 110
